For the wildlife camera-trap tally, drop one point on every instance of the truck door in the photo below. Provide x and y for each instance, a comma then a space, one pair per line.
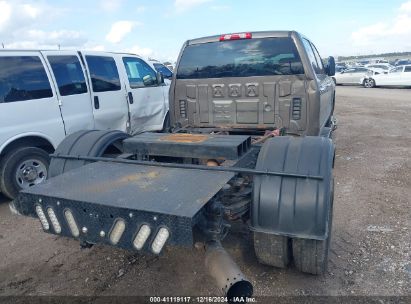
145, 95
72, 90
324, 82
109, 100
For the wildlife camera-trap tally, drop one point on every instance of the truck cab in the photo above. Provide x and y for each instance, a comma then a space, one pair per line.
253, 81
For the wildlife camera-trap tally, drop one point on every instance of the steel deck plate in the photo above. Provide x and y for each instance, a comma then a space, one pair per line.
171, 191
188, 145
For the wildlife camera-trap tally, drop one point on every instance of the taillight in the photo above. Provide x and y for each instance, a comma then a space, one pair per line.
235, 36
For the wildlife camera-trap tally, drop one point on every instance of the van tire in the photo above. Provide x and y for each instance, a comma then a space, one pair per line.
30, 161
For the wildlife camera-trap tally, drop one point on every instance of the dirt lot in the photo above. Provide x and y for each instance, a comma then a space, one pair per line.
371, 234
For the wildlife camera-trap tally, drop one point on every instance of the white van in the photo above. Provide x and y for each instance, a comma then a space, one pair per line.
46, 95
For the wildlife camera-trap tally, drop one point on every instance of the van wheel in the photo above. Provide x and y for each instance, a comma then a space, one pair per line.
23, 168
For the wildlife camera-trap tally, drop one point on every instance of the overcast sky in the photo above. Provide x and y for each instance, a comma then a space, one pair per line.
158, 28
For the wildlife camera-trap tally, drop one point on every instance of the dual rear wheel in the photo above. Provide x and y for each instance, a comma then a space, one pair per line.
309, 256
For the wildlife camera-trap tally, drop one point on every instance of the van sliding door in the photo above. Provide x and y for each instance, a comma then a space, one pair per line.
72, 90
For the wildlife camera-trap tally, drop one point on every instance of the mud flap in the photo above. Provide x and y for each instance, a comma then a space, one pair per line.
294, 207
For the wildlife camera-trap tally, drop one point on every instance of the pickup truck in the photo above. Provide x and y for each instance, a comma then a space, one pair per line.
47, 95
250, 146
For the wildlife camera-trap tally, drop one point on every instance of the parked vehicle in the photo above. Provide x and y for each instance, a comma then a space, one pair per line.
351, 76
170, 66
400, 76
159, 67
383, 61
46, 95
364, 62
382, 68
341, 65
251, 133
402, 62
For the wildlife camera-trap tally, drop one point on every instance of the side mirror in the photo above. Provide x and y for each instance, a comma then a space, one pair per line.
342, 72
169, 76
160, 78
330, 68
148, 80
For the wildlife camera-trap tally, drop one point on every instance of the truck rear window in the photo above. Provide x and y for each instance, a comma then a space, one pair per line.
240, 58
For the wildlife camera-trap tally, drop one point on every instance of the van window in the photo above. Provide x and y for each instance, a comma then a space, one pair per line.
407, 69
137, 70
23, 78
69, 75
103, 73
240, 58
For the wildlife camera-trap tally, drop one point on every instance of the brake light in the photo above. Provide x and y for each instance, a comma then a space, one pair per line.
235, 36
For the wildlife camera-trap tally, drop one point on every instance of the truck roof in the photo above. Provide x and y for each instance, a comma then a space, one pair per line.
258, 34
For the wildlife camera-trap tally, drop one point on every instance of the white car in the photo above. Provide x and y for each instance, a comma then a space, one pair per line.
351, 76
47, 95
382, 68
400, 76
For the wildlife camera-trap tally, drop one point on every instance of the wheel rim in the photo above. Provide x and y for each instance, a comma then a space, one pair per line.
367, 83
30, 172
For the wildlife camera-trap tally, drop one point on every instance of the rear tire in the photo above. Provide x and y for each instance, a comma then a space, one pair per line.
311, 256
273, 250
23, 168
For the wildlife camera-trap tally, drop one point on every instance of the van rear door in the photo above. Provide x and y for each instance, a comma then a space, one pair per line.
72, 90
109, 98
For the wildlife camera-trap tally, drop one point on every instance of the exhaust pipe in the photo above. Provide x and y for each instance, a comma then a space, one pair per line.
226, 273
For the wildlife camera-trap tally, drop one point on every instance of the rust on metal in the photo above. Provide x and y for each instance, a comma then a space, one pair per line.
212, 163
185, 138
140, 179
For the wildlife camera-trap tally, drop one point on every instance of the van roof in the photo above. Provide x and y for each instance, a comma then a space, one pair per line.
258, 34
63, 51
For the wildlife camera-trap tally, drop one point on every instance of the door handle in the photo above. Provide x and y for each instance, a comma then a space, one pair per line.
96, 103
130, 98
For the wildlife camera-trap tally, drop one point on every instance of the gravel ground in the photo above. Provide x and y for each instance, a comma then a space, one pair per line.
370, 252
